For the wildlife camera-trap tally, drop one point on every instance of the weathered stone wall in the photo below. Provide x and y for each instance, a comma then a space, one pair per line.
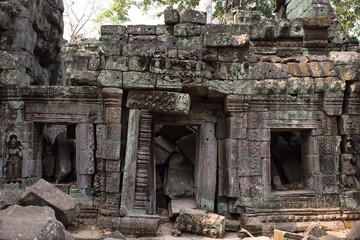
31, 36
319, 8
237, 84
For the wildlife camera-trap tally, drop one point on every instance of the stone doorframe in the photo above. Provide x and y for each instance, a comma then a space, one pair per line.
139, 181
38, 105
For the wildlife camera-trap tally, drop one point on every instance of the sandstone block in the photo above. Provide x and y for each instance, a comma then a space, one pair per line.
200, 222
8, 198
179, 177
171, 16
354, 233
45, 194
137, 225
192, 16
163, 149
315, 230
31, 222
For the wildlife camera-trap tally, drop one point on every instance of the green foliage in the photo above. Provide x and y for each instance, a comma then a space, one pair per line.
263, 6
347, 10
348, 14
117, 12
219, 7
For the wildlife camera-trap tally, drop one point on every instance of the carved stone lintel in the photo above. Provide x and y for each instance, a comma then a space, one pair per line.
159, 101
112, 96
236, 103
332, 104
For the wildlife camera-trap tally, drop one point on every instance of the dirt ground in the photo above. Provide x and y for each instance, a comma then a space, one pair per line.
83, 232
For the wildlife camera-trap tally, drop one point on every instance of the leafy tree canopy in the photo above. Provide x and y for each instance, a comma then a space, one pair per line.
347, 10
348, 15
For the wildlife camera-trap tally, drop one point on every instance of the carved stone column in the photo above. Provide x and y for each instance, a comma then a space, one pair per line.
108, 135
205, 167
244, 153
85, 161
137, 196
2, 146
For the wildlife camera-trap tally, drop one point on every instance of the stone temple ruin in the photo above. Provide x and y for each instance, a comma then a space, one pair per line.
253, 119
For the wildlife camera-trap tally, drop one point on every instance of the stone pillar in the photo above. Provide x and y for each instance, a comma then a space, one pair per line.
32, 153
138, 189
244, 154
2, 146
108, 136
85, 161
205, 167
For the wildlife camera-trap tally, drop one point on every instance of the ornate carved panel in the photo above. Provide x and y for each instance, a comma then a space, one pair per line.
159, 101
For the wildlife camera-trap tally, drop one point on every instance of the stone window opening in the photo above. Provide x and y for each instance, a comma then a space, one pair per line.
175, 156
59, 154
287, 161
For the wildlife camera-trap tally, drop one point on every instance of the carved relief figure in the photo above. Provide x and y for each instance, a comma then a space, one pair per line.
14, 161
349, 167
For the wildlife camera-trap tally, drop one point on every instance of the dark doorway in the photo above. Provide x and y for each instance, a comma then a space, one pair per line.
286, 161
58, 158
175, 155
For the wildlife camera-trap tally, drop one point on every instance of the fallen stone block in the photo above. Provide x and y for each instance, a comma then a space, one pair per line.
282, 235
68, 235
177, 204
179, 177
137, 225
163, 149
113, 235
30, 222
8, 198
354, 233
45, 194
315, 230
232, 225
200, 222
256, 238
187, 146
329, 237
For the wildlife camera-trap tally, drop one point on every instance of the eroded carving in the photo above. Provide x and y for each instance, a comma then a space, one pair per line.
14, 159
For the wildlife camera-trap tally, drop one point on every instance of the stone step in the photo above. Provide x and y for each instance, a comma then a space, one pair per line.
80, 196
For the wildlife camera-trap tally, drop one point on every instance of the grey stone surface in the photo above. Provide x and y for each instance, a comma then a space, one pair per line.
30, 222
45, 194
237, 83
179, 177
163, 149
187, 145
354, 233
137, 225
315, 230
177, 204
200, 222
329, 237
113, 235
68, 235
62, 157
8, 198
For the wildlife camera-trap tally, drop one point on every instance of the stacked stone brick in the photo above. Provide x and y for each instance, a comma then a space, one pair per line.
237, 83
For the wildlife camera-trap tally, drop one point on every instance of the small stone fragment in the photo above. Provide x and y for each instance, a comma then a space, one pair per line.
8, 198
315, 230
113, 235
200, 222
